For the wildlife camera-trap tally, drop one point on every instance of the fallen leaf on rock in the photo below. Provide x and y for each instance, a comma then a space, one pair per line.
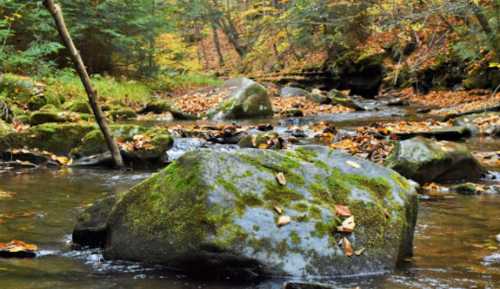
6, 195
17, 249
347, 226
342, 211
284, 220
346, 244
359, 252
353, 164
280, 177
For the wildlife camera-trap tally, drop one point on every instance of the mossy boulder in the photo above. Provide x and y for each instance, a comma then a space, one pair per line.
246, 99
52, 137
5, 128
215, 212
122, 113
143, 146
162, 106
425, 160
20, 88
48, 116
79, 106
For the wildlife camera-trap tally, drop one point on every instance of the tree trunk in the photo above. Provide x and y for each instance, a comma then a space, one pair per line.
217, 45
56, 12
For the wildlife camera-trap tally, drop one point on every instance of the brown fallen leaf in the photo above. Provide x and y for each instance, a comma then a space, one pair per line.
359, 252
342, 211
17, 249
347, 226
280, 177
346, 244
284, 220
278, 210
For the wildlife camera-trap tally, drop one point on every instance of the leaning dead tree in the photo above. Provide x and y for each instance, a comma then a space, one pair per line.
57, 14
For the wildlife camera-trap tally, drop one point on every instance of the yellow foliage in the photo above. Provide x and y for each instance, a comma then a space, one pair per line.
174, 53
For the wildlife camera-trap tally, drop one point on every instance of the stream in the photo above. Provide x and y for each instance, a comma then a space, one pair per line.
455, 243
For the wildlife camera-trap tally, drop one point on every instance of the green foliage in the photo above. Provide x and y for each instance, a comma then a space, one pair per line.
67, 86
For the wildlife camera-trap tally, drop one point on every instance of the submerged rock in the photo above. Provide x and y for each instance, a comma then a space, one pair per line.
425, 160
218, 213
247, 99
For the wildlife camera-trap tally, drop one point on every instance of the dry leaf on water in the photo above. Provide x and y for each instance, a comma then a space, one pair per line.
284, 220
280, 177
342, 211
347, 226
346, 244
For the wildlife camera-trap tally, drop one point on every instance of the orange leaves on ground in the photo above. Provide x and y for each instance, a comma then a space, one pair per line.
348, 250
308, 107
347, 226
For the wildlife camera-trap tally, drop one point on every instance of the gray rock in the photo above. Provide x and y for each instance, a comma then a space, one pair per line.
246, 99
289, 91
214, 212
425, 160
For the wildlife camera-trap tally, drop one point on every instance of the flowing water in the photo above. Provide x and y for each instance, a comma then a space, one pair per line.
455, 243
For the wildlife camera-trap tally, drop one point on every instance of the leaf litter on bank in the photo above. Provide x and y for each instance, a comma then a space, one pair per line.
18, 249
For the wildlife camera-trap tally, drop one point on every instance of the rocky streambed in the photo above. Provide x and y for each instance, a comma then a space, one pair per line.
300, 199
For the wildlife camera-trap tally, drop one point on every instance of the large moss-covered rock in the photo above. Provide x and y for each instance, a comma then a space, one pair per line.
53, 137
147, 146
246, 99
20, 88
425, 160
78, 105
162, 106
214, 211
50, 115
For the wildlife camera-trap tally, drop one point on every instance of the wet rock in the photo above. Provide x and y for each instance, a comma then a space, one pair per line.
319, 96
143, 147
214, 212
18, 249
398, 101
270, 140
467, 189
122, 113
425, 160
289, 91
450, 133
338, 97
307, 285
247, 99
56, 138
19, 159
90, 229
293, 112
